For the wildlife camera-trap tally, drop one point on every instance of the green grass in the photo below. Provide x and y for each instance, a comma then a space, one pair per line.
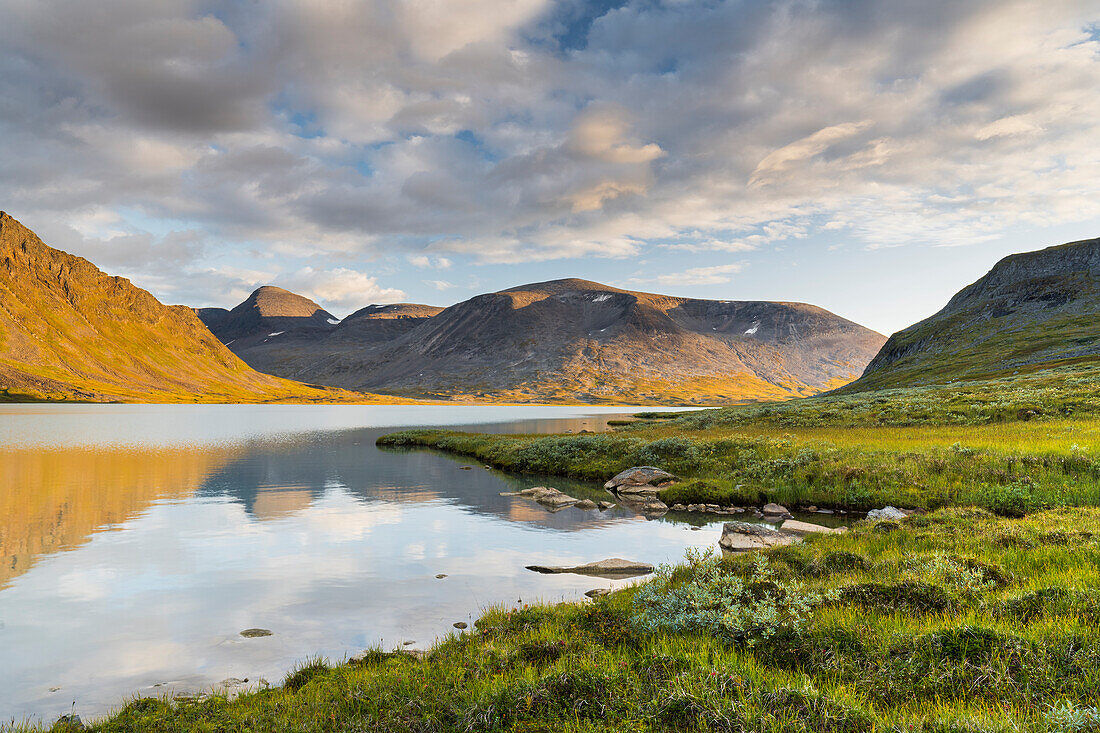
951, 621
1011, 446
980, 615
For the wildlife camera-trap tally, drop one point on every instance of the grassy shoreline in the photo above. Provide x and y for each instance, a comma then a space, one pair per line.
956, 621
981, 615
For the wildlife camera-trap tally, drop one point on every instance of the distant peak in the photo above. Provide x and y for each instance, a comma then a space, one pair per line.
564, 285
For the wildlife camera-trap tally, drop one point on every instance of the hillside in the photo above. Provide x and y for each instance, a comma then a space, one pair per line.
575, 340
69, 331
1032, 310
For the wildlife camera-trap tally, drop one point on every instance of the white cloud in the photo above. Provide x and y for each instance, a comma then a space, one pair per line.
314, 132
339, 288
440, 284
712, 275
425, 262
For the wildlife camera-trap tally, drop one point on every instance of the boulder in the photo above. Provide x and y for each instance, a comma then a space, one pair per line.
605, 505
254, 633
654, 508
597, 592
889, 512
795, 527
776, 510
742, 536
640, 476
611, 568
585, 504
460, 625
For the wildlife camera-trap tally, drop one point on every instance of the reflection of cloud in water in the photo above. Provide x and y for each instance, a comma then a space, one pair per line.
329, 542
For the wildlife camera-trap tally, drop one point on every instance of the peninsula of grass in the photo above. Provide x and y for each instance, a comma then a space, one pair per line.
1012, 446
956, 621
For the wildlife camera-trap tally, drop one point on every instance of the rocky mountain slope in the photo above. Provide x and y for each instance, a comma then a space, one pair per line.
575, 340
69, 331
1032, 310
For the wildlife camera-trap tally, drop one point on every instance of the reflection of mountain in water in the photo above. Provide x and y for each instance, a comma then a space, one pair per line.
271, 480
54, 500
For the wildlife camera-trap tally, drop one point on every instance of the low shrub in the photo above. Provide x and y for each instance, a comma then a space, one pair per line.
716, 601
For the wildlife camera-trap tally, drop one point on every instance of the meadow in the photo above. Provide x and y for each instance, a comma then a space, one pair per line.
979, 613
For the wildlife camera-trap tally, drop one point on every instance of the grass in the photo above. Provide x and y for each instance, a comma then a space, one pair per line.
1012, 446
952, 621
979, 615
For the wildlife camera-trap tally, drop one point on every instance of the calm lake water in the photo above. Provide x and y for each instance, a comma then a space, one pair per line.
139, 540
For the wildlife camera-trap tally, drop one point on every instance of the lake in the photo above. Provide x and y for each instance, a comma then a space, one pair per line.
139, 540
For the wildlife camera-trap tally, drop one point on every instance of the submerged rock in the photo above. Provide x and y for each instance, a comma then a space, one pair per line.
255, 633
742, 536
548, 496
614, 567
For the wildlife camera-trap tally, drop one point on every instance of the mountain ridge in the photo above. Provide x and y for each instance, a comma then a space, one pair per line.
575, 339
1032, 309
70, 331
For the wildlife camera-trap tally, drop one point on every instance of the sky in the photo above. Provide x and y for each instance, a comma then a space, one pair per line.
868, 156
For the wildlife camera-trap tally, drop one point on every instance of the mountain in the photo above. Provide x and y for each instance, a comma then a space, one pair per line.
575, 340
1032, 310
279, 332
69, 331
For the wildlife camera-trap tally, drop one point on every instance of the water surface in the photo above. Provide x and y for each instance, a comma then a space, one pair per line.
138, 541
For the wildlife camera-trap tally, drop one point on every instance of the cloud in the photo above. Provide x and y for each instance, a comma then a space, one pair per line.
440, 284
320, 135
425, 262
712, 275
340, 289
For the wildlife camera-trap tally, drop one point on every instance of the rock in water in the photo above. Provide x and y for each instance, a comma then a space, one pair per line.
640, 476
889, 512
742, 536
597, 592
254, 633
585, 504
611, 568
775, 510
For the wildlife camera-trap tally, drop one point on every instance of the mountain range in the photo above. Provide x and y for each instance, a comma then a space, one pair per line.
70, 331
563, 340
